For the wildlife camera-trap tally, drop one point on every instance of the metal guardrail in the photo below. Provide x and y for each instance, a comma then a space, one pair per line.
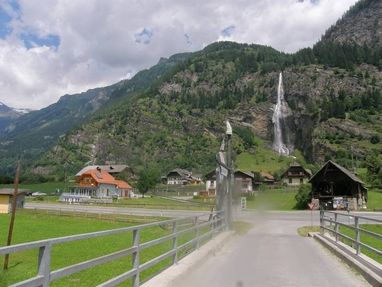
337, 219
201, 227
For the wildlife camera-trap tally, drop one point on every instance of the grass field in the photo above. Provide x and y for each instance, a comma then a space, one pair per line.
374, 200
277, 199
31, 227
373, 242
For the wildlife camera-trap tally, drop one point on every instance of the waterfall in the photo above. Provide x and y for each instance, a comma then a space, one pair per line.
278, 118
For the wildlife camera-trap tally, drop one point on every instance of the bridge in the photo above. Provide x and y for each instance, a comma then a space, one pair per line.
271, 253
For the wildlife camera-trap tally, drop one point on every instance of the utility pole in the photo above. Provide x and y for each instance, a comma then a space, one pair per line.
230, 174
13, 215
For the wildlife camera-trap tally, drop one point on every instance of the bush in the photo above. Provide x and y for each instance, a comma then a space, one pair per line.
303, 196
375, 139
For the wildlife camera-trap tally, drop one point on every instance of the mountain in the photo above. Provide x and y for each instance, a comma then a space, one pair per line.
333, 92
361, 25
8, 115
31, 134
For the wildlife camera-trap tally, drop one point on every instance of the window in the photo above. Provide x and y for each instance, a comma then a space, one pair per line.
301, 180
290, 180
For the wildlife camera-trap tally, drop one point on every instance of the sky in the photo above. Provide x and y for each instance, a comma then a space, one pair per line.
49, 48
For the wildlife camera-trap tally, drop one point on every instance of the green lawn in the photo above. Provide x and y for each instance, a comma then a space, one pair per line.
30, 227
374, 201
367, 239
277, 199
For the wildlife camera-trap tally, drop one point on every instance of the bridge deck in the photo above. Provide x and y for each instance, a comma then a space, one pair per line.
272, 254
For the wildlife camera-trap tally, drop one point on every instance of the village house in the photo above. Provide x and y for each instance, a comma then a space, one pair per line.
267, 178
244, 181
296, 175
180, 176
333, 186
96, 183
6, 199
210, 180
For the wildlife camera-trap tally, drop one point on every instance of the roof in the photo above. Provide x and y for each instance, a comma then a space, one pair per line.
117, 168
247, 173
349, 174
267, 175
10, 191
296, 164
182, 172
122, 184
101, 176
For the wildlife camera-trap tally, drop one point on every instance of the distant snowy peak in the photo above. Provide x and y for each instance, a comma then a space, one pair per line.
22, 111
6, 109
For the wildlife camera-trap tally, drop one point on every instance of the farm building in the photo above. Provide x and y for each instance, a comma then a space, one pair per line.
244, 181
6, 199
181, 176
336, 187
96, 183
295, 175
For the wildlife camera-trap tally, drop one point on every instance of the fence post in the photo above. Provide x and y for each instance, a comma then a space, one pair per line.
357, 236
321, 222
197, 233
44, 263
135, 257
336, 226
175, 242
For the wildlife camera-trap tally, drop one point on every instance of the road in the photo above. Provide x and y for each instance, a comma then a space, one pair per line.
272, 254
113, 210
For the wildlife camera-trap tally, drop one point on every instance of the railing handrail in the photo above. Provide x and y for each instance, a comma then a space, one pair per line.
355, 227
45, 275
353, 215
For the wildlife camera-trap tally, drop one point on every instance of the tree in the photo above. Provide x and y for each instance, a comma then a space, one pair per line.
303, 196
148, 178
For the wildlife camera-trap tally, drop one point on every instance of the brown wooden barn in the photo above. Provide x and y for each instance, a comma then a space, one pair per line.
337, 187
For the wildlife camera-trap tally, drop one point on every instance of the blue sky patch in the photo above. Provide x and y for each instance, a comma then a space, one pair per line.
32, 40
227, 32
144, 37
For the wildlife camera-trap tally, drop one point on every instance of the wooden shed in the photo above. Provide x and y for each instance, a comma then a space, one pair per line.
6, 199
336, 187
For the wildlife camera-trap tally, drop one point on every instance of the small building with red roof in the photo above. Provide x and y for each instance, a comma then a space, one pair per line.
97, 183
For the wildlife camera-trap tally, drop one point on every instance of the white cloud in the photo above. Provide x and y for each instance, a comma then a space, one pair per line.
103, 41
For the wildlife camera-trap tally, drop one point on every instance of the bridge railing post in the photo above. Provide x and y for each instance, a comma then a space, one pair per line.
175, 242
44, 263
357, 235
336, 226
321, 222
135, 257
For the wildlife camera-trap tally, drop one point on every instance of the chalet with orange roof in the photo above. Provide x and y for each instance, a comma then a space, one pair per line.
97, 183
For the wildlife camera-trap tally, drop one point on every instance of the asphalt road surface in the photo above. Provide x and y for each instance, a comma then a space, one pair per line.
113, 210
272, 254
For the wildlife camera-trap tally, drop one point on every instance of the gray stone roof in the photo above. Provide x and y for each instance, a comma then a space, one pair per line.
111, 168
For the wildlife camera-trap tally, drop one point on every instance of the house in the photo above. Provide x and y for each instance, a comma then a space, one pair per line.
336, 187
267, 178
6, 199
96, 183
210, 180
244, 181
182, 177
296, 175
